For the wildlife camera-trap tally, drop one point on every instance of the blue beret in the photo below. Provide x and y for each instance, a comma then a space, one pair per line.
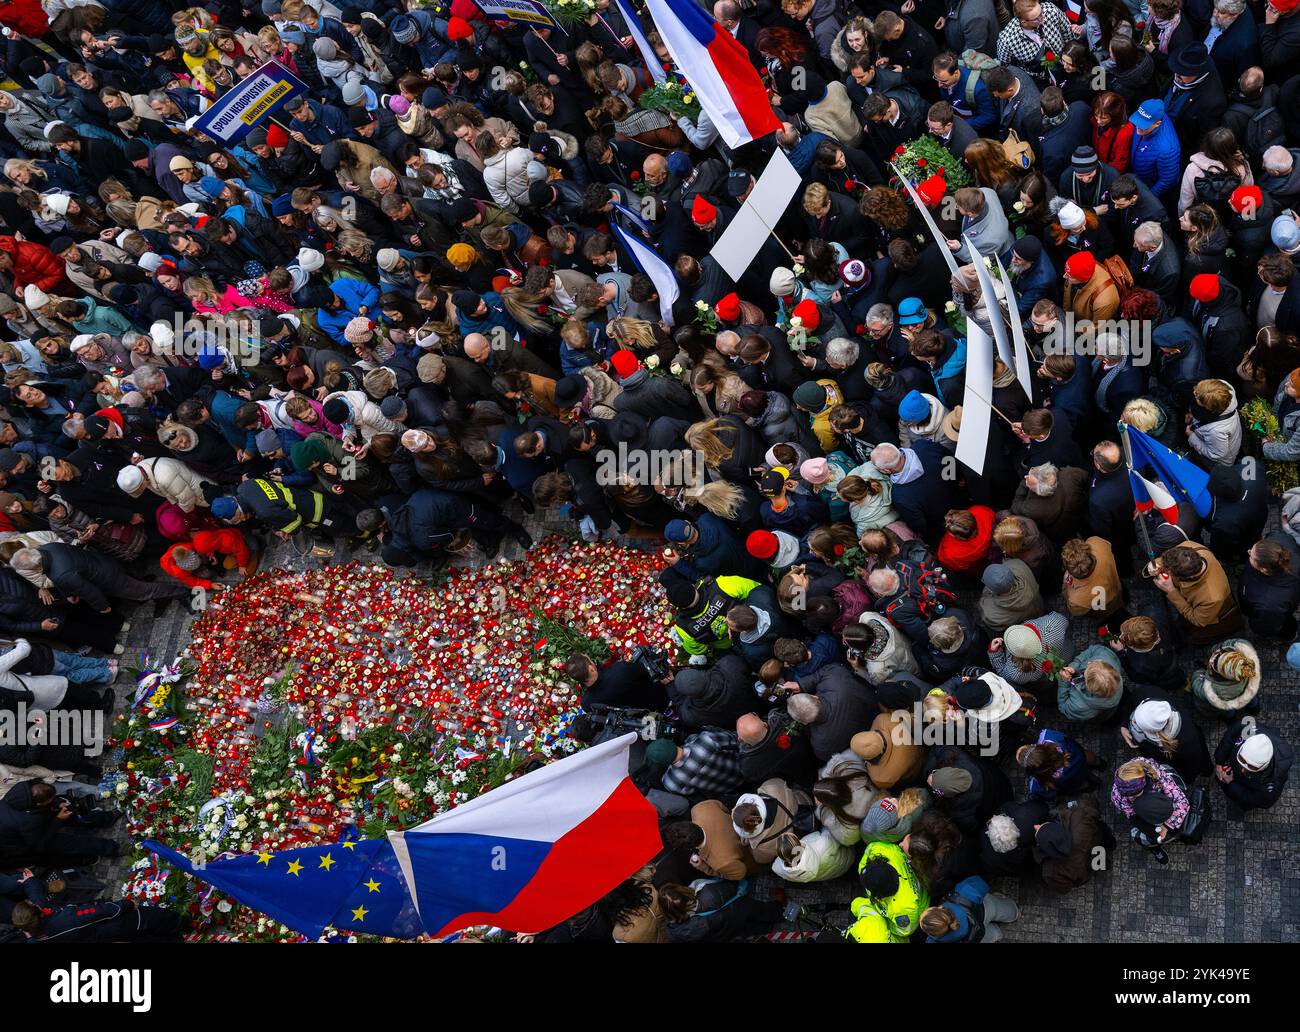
224, 507
282, 205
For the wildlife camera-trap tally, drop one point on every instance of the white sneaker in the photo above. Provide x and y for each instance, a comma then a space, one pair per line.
118, 650
126, 626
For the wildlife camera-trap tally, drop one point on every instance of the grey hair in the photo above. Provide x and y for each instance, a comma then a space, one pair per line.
885, 455
1003, 834
148, 376
1111, 344
159, 95
1046, 477
805, 708
1230, 6
842, 351
1149, 233
879, 313
946, 634
1278, 159
26, 559
883, 581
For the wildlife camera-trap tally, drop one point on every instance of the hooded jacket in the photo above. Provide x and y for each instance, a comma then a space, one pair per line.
778, 804
716, 697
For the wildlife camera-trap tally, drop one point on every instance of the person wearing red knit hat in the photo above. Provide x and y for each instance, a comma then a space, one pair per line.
1245, 201
1080, 266
806, 312
932, 190
276, 137
625, 363
1089, 291
728, 308
458, 28
1204, 288
761, 544
703, 214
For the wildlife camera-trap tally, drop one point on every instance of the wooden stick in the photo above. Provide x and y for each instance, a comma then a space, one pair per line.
774, 236
543, 39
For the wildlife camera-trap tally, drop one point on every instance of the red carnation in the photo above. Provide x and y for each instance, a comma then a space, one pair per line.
783, 741
634, 175
839, 549
1050, 56
921, 162
1046, 666
900, 149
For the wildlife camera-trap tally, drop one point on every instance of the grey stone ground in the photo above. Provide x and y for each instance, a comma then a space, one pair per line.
1241, 884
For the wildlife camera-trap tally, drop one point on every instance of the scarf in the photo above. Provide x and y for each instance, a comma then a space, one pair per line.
1107, 379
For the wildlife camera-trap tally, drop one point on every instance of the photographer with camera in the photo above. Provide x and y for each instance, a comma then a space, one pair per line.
716, 697
39, 828
621, 683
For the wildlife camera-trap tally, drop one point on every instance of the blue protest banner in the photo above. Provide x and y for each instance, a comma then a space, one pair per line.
253, 99
525, 11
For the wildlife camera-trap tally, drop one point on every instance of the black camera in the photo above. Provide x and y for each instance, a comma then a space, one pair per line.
655, 664
596, 724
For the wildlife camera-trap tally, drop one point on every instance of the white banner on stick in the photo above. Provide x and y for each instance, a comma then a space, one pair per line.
976, 411
745, 234
1023, 371
990, 303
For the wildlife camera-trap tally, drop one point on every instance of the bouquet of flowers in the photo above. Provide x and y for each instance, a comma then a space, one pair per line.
673, 97
706, 317
1261, 423
925, 157
570, 12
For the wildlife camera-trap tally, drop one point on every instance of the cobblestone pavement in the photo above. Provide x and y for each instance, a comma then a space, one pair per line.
1241, 884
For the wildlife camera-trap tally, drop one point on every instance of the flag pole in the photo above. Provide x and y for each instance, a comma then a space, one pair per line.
774, 236
1143, 533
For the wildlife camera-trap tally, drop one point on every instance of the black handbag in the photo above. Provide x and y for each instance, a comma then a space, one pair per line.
1198, 817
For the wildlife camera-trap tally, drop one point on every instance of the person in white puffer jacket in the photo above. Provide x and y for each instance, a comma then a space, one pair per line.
171, 479
813, 858
1215, 429
505, 172
842, 794
363, 416
879, 649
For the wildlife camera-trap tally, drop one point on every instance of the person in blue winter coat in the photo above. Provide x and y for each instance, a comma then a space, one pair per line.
787, 507
707, 547
973, 102
351, 298
1156, 158
1034, 275
970, 913
482, 313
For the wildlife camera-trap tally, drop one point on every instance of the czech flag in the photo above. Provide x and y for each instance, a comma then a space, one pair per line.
717, 68
535, 851
1148, 495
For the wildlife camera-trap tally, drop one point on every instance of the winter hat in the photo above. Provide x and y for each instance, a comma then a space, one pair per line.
1131, 787
1071, 216
224, 507
702, 212
973, 694
429, 367
80, 342
282, 206
689, 683
34, 297
932, 190
950, 781
359, 331
1022, 641
212, 186
399, 105
625, 363
60, 244
403, 29
1027, 248
807, 313
276, 137
1246, 198
728, 308
56, 202
1204, 287
463, 254
1080, 266
7, 304
1151, 717
883, 814
761, 544
310, 260
179, 163
855, 273
465, 300
458, 28
353, 93
1285, 234
678, 531
388, 258
868, 745
1256, 752
337, 410
810, 395
131, 480
999, 579
782, 282
662, 752
1084, 159
911, 311
914, 408
393, 408
268, 441
49, 84
815, 471
150, 261
324, 47
879, 879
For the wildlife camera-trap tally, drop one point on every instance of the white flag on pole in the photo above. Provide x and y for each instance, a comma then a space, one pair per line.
661, 275
976, 410
745, 234
1023, 371
990, 303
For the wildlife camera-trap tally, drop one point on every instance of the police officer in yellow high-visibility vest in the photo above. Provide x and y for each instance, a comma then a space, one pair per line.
893, 887
871, 925
286, 510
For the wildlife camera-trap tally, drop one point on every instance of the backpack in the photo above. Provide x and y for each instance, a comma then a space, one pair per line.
1264, 130
977, 64
1018, 152
926, 585
1198, 810
1117, 270
1215, 186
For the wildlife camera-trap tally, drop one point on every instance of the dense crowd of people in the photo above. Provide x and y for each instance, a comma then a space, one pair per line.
398, 315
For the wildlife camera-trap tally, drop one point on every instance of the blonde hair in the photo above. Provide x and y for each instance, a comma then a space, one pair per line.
721, 498
1101, 679
1213, 395
815, 198
703, 437
1141, 414
14, 165
199, 287
638, 333
1132, 770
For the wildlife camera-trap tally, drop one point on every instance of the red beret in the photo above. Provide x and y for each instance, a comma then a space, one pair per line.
761, 544
625, 363
459, 28
1080, 267
806, 312
276, 137
728, 308
702, 212
1204, 287
1246, 197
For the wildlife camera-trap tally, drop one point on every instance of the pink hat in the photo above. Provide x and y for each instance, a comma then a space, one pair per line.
358, 330
398, 105
815, 471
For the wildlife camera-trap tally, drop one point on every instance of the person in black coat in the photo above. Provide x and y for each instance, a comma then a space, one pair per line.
1241, 498
1251, 764
1065, 128
619, 683
24, 615
1189, 754
920, 494
1269, 589
122, 920
717, 697
433, 521
92, 577
938, 664
1195, 100
1157, 266
833, 704
37, 828
1110, 504
1003, 854
774, 747
966, 787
